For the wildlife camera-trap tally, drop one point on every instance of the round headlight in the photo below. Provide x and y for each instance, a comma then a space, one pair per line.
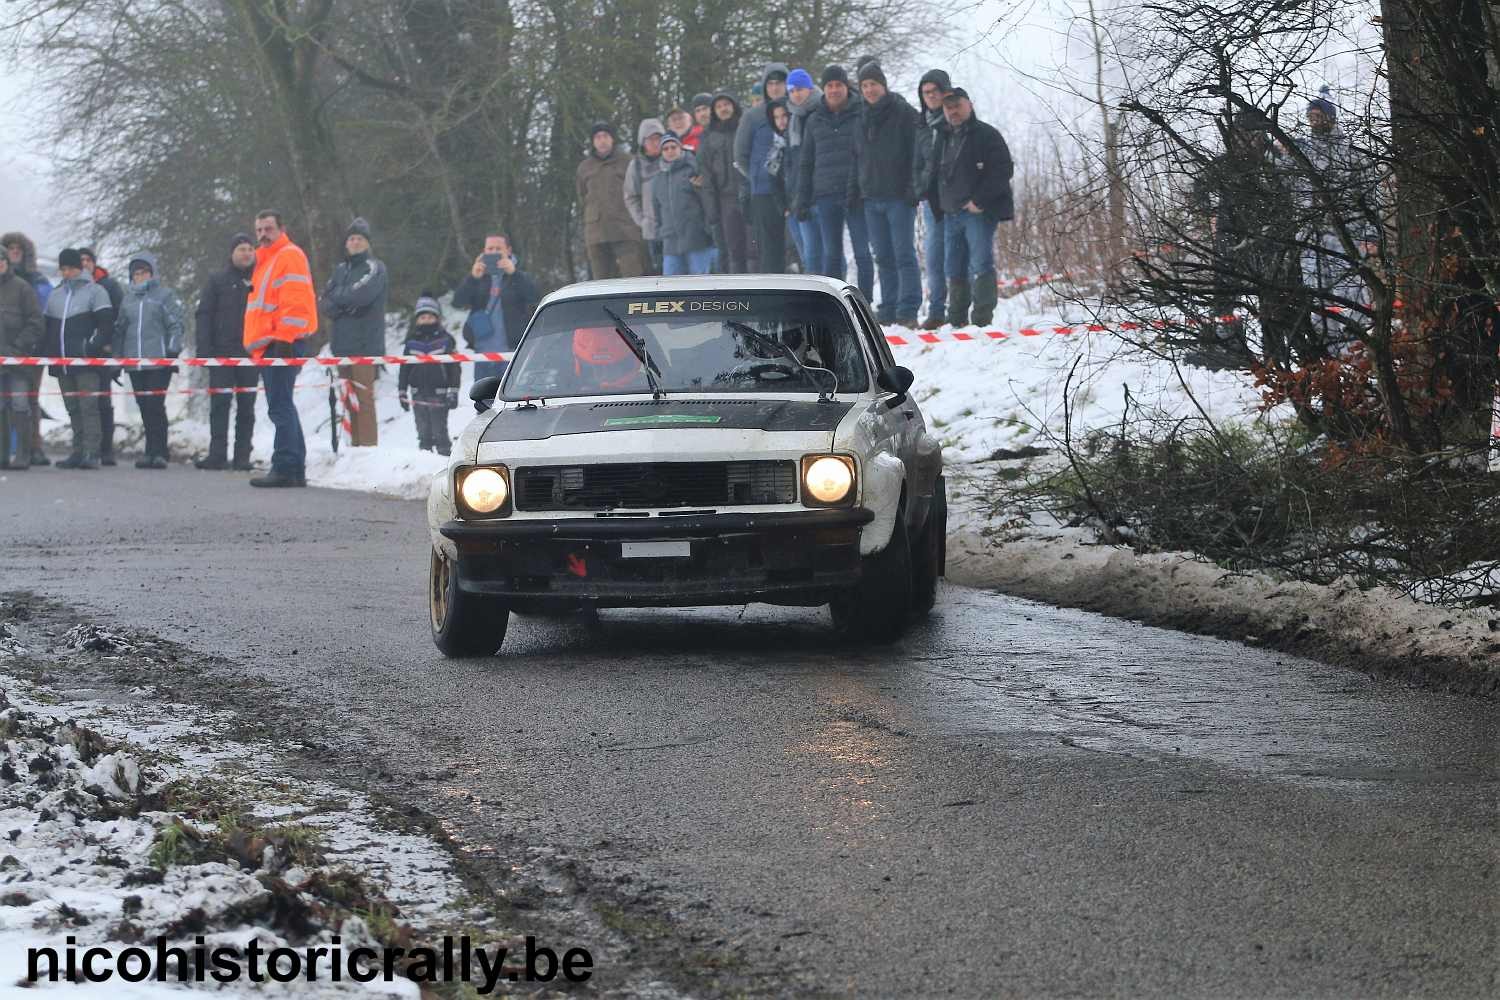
829, 480
484, 491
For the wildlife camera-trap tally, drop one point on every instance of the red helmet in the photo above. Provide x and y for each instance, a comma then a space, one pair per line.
601, 356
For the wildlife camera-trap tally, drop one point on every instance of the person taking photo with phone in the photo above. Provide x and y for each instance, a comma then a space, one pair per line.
500, 298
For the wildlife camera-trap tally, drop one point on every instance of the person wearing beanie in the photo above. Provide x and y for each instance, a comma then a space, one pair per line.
111, 374
722, 184
684, 213
822, 187
803, 97
354, 299
21, 252
926, 152
639, 177
428, 392
752, 147
757, 94
611, 236
219, 329
149, 325
974, 195
703, 111
880, 180
20, 335
80, 324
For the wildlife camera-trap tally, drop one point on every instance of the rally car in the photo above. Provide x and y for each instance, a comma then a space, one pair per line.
689, 441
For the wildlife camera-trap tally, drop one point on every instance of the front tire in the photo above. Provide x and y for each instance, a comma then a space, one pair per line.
929, 557
463, 624
878, 608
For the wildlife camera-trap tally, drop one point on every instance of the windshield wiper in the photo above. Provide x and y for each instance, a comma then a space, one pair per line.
638, 348
787, 352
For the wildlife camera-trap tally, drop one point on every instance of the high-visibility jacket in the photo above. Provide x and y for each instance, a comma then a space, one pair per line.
282, 305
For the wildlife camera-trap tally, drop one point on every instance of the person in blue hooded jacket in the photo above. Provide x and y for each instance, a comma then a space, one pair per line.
752, 149
149, 325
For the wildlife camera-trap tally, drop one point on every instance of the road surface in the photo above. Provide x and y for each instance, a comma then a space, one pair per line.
1015, 800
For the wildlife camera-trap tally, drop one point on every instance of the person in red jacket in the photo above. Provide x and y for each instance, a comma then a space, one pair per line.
682, 125
281, 313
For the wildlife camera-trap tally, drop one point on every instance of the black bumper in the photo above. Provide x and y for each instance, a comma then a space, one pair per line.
783, 557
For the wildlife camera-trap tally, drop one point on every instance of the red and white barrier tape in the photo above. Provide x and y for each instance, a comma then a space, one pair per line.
384, 359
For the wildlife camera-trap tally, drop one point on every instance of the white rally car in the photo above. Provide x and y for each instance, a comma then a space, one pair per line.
690, 441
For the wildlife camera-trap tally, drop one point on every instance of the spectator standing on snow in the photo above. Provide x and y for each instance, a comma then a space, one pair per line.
803, 97
220, 330
682, 212
703, 113
281, 314
823, 182
500, 298
20, 335
149, 325
880, 178
752, 147
80, 324
722, 183
682, 125
927, 151
354, 299
639, 177
974, 195
610, 236
429, 391
21, 252
116, 294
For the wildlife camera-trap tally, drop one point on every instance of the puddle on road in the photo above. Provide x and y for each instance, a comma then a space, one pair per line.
1118, 687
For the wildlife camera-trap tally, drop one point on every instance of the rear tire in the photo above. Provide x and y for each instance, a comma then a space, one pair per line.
878, 608
463, 625
928, 557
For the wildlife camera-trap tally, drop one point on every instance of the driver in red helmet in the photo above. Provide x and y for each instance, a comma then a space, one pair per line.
602, 360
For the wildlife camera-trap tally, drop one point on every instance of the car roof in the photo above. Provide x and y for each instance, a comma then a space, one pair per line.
698, 283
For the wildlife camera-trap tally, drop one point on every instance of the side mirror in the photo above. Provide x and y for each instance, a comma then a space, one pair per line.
482, 391
895, 379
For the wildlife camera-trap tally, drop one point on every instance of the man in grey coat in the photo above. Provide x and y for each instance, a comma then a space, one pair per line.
149, 325
355, 300
80, 324
639, 177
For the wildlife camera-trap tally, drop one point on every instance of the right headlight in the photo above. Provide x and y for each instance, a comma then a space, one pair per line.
828, 480
484, 491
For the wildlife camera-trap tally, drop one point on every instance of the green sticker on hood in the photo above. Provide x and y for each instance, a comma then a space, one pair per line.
663, 418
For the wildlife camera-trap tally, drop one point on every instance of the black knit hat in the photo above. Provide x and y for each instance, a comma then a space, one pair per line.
238, 238
359, 227
872, 71
70, 257
598, 127
702, 101
835, 73
955, 94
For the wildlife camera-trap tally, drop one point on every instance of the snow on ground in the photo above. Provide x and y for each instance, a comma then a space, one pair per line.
978, 396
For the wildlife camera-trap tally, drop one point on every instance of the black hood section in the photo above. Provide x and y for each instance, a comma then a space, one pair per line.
664, 414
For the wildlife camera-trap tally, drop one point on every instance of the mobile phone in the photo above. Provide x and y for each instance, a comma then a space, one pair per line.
491, 262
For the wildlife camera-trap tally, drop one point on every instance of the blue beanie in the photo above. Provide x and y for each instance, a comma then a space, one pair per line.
1323, 102
799, 78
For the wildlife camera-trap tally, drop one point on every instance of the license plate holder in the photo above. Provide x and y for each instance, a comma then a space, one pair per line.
656, 550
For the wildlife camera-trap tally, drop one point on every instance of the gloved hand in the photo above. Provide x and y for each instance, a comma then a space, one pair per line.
452, 399
404, 400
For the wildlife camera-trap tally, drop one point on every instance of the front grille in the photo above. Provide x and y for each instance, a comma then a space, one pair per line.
655, 485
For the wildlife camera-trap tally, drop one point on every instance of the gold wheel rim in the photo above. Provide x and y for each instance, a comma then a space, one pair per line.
437, 596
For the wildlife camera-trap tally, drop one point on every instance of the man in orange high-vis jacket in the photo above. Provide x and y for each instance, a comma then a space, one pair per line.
282, 311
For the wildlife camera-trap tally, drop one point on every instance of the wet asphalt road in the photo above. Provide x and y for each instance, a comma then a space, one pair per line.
1015, 800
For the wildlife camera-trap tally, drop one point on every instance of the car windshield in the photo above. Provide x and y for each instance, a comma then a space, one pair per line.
710, 342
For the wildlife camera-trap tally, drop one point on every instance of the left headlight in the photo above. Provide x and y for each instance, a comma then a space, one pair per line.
484, 491
827, 480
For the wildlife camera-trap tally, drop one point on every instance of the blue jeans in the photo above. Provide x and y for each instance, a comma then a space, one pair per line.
809, 244
289, 449
692, 262
932, 251
892, 226
831, 218
968, 238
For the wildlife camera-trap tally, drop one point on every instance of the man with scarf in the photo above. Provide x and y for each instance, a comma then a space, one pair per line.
500, 298
803, 96
974, 195
881, 181
926, 154
220, 332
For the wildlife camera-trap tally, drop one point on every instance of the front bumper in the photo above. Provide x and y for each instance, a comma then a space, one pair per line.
781, 557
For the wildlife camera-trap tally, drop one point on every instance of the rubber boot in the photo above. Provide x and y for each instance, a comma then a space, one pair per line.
106, 429
934, 321
10, 443
958, 303
986, 295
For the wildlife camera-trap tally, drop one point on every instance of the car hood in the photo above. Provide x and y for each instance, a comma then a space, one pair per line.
542, 422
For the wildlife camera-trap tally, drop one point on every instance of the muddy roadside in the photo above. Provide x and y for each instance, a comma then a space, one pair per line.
480, 879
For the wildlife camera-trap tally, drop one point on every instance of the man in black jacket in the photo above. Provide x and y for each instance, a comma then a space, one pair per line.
355, 299
974, 195
823, 183
881, 178
500, 298
927, 151
220, 332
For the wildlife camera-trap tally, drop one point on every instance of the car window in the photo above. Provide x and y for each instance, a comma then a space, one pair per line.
708, 342
880, 350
